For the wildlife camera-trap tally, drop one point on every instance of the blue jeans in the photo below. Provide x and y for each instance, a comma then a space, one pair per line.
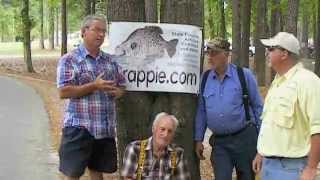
236, 151
282, 168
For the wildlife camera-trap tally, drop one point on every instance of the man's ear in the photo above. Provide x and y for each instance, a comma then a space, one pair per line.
82, 31
285, 54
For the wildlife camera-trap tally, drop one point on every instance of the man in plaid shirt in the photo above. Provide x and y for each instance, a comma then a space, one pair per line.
89, 81
158, 162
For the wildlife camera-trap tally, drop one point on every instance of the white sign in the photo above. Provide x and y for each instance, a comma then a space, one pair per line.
157, 57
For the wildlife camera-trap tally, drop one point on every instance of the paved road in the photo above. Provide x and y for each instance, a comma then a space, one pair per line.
24, 134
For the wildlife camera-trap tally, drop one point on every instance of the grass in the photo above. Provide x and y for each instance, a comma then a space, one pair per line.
16, 49
11, 48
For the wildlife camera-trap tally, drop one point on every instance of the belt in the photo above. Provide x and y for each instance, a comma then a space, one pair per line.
234, 133
281, 157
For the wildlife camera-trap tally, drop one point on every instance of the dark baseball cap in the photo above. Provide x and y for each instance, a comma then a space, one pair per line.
218, 44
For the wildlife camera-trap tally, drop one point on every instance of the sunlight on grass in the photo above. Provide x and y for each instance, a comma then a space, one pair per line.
11, 48
16, 49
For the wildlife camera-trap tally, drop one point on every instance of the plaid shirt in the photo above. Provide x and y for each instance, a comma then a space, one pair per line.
154, 169
94, 111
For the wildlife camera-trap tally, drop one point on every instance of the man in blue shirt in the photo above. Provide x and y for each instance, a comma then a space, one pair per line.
221, 109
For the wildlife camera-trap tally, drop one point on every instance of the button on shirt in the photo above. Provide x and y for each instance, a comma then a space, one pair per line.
94, 111
291, 114
220, 107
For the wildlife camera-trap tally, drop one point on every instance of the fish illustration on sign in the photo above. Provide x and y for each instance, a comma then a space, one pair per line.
147, 43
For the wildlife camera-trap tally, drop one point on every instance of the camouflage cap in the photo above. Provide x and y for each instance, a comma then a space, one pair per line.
218, 44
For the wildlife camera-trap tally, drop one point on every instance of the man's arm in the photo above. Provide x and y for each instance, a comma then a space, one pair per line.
314, 154
309, 104
200, 126
254, 97
75, 91
118, 91
310, 170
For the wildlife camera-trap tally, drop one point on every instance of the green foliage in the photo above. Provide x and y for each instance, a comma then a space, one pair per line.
7, 29
212, 19
10, 19
74, 15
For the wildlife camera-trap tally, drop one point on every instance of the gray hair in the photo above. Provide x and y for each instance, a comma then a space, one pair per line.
159, 116
88, 20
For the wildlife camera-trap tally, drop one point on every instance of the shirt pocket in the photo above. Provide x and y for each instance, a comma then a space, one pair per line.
209, 97
236, 96
285, 107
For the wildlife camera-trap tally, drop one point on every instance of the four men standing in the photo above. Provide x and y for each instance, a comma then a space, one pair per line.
229, 105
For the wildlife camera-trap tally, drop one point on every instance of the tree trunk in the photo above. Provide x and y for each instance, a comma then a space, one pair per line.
64, 38
87, 7
222, 24
245, 32
276, 25
314, 34
183, 106
211, 19
275, 17
317, 43
236, 32
151, 10
101, 7
93, 6
260, 58
305, 32
126, 10
2, 31
292, 16
26, 26
41, 41
51, 27
134, 109
57, 26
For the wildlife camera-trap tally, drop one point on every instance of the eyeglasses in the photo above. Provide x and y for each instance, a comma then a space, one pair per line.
211, 52
97, 30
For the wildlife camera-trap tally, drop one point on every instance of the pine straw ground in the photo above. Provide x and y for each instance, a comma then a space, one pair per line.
43, 81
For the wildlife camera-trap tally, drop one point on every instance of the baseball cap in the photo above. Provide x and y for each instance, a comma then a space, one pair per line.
218, 44
285, 40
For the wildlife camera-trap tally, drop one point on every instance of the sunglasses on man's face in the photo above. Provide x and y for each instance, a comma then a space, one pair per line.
272, 48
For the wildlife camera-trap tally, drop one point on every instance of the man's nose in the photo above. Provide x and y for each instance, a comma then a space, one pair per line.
101, 33
165, 133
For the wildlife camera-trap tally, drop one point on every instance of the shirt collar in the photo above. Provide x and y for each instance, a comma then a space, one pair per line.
169, 148
84, 53
228, 72
290, 73
293, 70
279, 79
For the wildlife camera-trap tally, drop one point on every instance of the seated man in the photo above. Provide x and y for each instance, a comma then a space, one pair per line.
159, 159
